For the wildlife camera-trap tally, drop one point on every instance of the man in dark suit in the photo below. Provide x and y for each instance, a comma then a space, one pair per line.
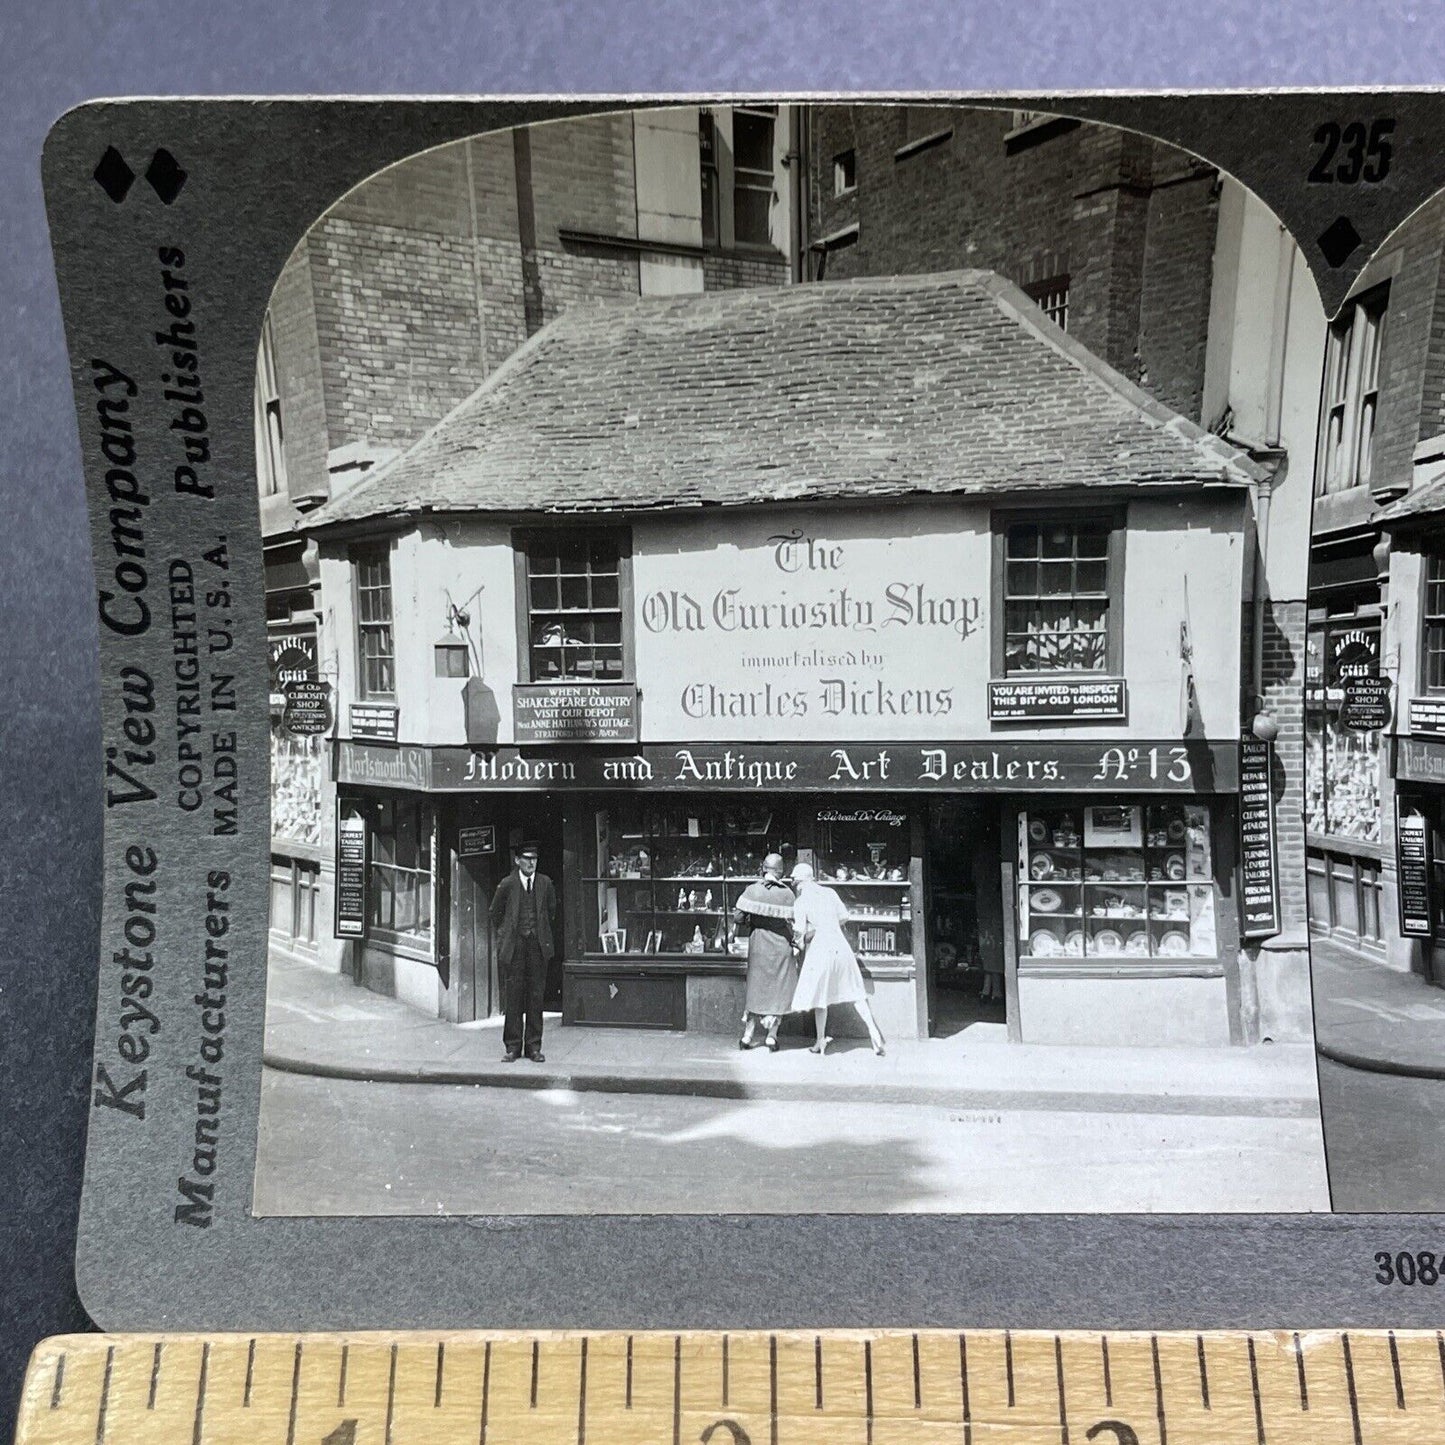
524, 921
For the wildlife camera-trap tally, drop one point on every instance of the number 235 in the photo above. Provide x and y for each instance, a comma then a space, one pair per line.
1353, 152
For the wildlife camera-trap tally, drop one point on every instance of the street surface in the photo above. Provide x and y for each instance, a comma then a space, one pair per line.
331, 1146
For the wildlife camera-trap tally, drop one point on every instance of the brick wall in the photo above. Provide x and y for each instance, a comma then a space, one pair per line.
1130, 221
1284, 662
732, 270
298, 365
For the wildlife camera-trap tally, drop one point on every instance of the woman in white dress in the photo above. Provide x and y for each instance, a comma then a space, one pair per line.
830, 973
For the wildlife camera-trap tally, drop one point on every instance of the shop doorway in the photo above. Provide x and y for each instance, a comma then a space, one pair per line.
964, 916
538, 819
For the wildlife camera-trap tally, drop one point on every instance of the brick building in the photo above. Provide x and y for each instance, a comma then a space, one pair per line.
1178, 278
1377, 828
418, 285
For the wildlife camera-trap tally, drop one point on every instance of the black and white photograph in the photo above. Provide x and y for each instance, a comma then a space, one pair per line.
775, 606
1375, 728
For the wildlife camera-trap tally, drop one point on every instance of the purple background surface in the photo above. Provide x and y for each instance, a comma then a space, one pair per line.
61, 52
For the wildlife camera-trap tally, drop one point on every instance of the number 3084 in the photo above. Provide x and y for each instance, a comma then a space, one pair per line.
1408, 1269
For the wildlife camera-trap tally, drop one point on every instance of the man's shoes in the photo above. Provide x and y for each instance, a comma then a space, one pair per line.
511, 1056
536, 1056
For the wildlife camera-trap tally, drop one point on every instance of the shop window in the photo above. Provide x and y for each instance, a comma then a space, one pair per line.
1117, 881
1059, 586
845, 172
1051, 296
1351, 395
753, 173
1432, 668
711, 198
297, 770
863, 853
399, 869
667, 876
1342, 766
574, 589
295, 887
375, 640
266, 403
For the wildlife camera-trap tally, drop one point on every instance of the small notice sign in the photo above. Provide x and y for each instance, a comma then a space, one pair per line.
1427, 716
1039, 699
374, 721
1259, 871
475, 842
1412, 856
1365, 706
350, 876
580, 712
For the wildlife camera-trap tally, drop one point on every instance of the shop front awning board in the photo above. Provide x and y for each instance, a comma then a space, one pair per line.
943, 384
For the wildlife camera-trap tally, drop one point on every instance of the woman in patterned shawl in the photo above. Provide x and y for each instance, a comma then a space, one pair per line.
765, 913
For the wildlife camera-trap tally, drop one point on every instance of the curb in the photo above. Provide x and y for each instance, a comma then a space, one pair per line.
1371, 1064
515, 1077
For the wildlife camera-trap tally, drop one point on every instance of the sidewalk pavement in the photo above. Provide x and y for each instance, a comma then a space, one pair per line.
1373, 1017
323, 1024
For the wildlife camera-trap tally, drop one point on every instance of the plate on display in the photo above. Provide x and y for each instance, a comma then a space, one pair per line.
1174, 867
1174, 943
1041, 865
1108, 941
1074, 942
1045, 900
1038, 830
1177, 830
1137, 944
1043, 944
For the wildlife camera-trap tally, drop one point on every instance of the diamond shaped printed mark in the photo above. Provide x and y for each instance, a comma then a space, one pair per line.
113, 175
165, 175
1338, 241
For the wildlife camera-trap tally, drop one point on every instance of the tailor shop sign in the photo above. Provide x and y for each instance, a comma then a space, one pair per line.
921, 766
821, 628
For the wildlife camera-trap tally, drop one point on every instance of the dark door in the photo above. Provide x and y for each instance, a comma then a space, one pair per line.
477, 849
537, 818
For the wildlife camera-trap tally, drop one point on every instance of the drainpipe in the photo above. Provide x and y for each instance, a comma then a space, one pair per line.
1261, 589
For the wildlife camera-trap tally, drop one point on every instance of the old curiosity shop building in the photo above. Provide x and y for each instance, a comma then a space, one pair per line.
886, 574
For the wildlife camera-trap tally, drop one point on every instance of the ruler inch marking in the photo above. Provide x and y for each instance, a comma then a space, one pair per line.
917, 1377
486, 1391
295, 1395
200, 1420
868, 1387
391, 1394
250, 1373
963, 1383
725, 1371
1158, 1392
1395, 1368
817, 1372
104, 1397
1299, 1365
1350, 1386
536, 1367
1108, 1374
155, 1376
341, 1378
58, 1387
582, 1393
677, 1390
629, 1372
1203, 1372
1440, 1347
773, 1389
1008, 1364
1059, 1376
1254, 1391
441, 1365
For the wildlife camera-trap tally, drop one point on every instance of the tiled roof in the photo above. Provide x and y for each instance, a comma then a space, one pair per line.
1422, 506
945, 383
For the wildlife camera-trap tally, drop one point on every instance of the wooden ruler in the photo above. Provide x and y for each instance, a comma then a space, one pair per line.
1361, 1387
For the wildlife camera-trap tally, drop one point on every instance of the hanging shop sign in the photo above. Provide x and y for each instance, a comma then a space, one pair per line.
1037, 700
1258, 857
1146, 767
574, 712
292, 660
375, 721
307, 711
1412, 858
476, 842
1365, 706
1427, 715
350, 875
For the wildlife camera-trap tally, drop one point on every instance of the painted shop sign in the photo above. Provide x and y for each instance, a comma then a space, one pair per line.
1043, 700
1259, 871
374, 720
350, 876
1412, 858
292, 660
307, 710
1418, 760
582, 712
476, 842
825, 627
1427, 715
1365, 706
1152, 767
